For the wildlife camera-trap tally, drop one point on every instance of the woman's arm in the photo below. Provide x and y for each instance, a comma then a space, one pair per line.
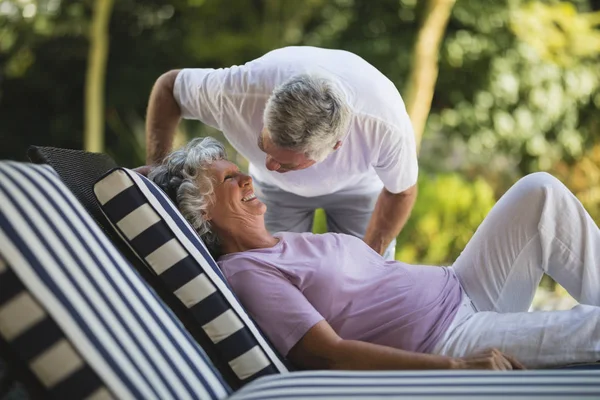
298, 331
322, 348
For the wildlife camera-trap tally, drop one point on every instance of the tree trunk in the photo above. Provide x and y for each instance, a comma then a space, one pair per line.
95, 76
424, 72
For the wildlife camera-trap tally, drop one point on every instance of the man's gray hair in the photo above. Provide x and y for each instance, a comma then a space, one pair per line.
182, 175
307, 113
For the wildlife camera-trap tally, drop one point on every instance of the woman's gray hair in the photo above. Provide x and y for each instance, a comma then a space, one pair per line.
307, 113
182, 175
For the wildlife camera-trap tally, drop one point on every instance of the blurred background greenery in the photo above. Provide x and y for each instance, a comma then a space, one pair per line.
496, 89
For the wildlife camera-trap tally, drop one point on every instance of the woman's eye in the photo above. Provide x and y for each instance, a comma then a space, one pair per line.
228, 177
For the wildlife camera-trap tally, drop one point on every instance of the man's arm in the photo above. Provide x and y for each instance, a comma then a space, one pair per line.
390, 214
322, 348
162, 118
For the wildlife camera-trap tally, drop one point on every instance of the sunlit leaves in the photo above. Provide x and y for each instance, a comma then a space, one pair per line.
24, 24
583, 178
557, 31
449, 210
516, 100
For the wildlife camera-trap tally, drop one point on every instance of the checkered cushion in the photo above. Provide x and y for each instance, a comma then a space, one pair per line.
149, 222
74, 312
444, 385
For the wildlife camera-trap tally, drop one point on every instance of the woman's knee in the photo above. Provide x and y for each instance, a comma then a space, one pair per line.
529, 196
539, 179
539, 183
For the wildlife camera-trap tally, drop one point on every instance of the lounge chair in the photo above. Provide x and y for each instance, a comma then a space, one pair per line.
80, 318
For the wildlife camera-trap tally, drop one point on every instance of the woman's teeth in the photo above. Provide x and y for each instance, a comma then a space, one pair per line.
249, 197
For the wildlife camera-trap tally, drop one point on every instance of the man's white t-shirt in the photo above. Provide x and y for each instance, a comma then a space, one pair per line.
378, 150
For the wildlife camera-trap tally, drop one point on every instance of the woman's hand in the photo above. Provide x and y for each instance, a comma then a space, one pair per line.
489, 359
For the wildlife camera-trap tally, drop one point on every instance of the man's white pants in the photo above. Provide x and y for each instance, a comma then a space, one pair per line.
537, 227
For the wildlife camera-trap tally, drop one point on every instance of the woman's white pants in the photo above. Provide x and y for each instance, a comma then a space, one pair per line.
537, 227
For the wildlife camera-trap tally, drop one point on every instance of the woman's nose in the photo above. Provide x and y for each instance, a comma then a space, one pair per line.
245, 179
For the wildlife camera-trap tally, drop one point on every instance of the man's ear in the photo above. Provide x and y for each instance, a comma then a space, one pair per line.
338, 144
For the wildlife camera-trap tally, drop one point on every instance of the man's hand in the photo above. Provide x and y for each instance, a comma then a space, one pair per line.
143, 170
492, 359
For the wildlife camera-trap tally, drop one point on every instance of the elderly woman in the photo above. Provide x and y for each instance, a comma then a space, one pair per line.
330, 301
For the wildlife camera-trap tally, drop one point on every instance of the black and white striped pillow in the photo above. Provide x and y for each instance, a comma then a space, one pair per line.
75, 314
159, 235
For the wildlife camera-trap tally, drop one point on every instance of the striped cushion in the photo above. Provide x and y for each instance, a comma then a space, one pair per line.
425, 385
74, 311
149, 222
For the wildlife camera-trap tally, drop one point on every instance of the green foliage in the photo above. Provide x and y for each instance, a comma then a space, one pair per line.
583, 179
320, 221
501, 93
518, 87
558, 32
448, 211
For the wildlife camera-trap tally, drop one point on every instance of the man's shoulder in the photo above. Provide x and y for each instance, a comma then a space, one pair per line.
367, 125
293, 60
293, 52
380, 107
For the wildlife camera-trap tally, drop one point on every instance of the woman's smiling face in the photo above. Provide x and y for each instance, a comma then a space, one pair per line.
234, 199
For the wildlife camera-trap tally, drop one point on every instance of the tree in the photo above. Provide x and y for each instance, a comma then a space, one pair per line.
424, 72
42, 64
95, 76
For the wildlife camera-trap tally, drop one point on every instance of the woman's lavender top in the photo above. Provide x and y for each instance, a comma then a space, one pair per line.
306, 278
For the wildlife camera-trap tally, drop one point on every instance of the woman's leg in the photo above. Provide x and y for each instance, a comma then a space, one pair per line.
539, 339
537, 227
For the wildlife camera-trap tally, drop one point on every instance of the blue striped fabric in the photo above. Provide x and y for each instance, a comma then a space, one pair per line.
155, 230
43, 342
76, 313
445, 385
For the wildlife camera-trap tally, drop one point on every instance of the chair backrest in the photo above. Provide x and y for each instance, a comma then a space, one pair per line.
79, 170
73, 312
151, 225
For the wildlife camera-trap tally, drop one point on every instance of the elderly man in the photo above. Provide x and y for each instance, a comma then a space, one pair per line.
321, 129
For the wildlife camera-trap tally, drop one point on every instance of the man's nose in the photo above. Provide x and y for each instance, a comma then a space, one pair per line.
271, 164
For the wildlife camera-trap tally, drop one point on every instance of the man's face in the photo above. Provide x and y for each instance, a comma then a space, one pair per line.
281, 160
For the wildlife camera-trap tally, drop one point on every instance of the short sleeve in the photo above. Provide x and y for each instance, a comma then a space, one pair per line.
199, 93
279, 308
397, 165
231, 100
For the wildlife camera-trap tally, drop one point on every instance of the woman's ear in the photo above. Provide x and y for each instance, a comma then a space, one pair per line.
206, 216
